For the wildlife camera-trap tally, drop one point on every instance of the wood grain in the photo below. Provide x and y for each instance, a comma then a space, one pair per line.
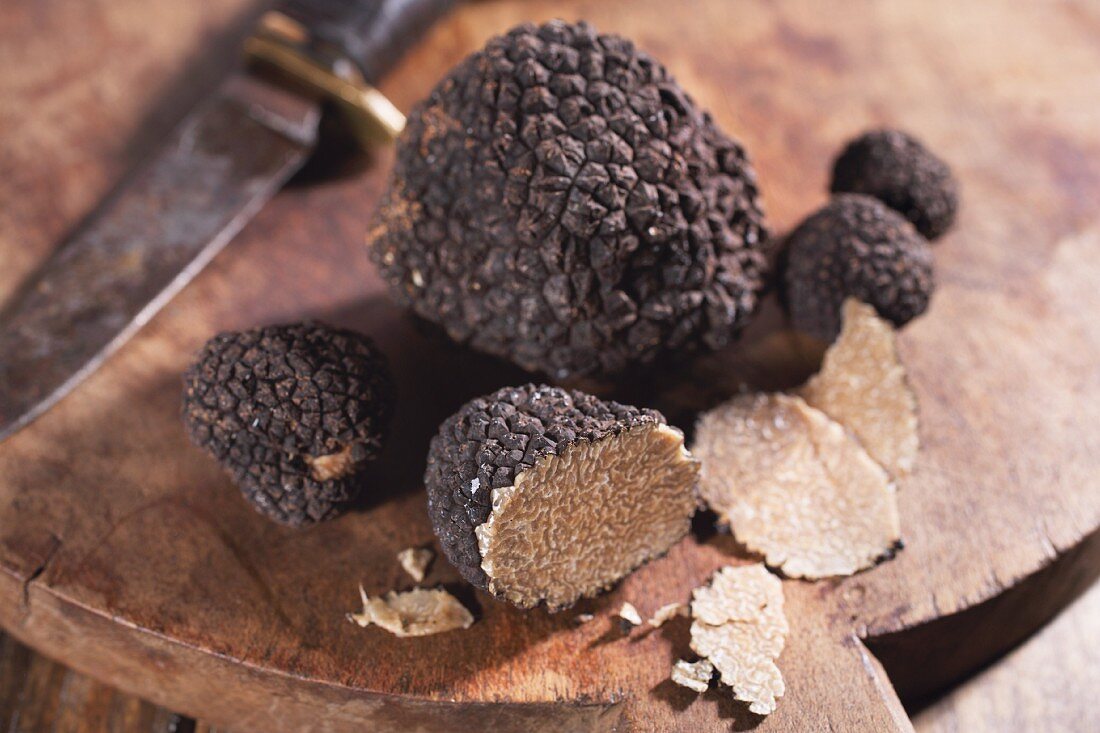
39, 695
1048, 684
1009, 696
126, 554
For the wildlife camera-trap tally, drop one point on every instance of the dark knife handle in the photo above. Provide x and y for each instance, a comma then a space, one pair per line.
372, 33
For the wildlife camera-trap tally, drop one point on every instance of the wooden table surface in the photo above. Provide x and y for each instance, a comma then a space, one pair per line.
227, 616
1048, 684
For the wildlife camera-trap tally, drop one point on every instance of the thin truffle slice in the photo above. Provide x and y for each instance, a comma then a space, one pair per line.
665, 613
855, 246
415, 561
418, 612
629, 617
740, 628
560, 201
795, 486
693, 675
292, 412
898, 169
539, 494
862, 386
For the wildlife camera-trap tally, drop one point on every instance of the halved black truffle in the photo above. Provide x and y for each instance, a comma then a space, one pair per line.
899, 170
559, 201
292, 412
855, 246
543, 495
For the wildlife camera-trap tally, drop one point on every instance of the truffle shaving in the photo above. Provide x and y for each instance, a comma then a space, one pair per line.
862, 386
739, 627
795, 486
418, 612
693, 675
630, 614
415, 561
664, 613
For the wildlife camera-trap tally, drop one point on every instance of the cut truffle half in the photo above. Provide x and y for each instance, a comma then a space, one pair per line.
739, 627
795, 486
862, 385
418, 612
544, 495
896, 168
292, 412
855, 246
559, 200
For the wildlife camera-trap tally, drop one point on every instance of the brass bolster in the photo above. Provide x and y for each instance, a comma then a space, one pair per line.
279, 45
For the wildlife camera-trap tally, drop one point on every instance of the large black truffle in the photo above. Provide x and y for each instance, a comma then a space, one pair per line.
897, 169
292, 412
539, 494
855, 246
558, 200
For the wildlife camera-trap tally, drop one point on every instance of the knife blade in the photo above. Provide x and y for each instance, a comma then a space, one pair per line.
174, 212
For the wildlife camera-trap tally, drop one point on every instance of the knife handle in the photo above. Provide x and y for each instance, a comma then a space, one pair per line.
371, 33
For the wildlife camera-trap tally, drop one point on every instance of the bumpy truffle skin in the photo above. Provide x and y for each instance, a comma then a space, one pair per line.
855, 246
559, 201
292, 412
493, 439
897, 169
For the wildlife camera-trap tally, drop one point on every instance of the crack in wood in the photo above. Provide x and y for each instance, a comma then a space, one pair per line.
37, 572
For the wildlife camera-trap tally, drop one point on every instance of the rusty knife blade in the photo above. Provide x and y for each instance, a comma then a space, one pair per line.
148, 239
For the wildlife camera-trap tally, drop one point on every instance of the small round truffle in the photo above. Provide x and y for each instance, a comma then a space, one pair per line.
543, 495
558, 200
855, 246
292, 412
897, 169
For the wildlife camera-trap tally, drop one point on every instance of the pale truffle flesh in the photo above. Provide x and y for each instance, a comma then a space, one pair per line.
740, 628
666, 612
418, 612
693, 675
862, 385
795, 486
630, 614
415, 561
579, 521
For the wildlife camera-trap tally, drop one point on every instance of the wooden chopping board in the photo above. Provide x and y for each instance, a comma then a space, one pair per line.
125, 553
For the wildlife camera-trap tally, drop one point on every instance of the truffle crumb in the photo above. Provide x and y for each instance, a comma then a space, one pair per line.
898, 169
418, 612
862, 385
575, 492
630, 616
666, 612
855, 246
740, 628
559, 200
693, 675
415, 561
795, 486
293, 413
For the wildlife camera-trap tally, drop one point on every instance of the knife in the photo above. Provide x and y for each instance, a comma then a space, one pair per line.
178, 209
